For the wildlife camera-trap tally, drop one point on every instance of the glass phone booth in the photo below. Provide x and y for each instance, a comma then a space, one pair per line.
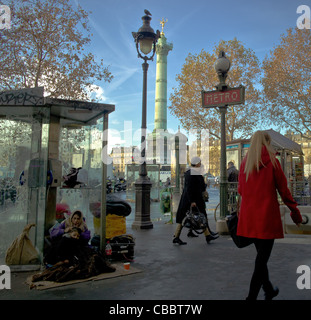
41, 139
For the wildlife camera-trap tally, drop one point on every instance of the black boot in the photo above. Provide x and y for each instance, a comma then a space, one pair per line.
191, 234
211, 232
211, 237
271, 294
178, 241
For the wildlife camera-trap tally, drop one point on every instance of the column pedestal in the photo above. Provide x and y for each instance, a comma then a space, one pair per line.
142, 204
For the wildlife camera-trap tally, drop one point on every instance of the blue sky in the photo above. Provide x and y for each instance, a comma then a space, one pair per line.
192, 26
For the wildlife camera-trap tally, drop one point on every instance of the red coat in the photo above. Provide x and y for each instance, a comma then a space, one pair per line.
259, 215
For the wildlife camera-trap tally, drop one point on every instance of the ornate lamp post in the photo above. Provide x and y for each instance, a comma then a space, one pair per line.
222, 66
145, 40
221, 98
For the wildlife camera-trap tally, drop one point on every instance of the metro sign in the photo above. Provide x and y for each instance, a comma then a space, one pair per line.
216, 98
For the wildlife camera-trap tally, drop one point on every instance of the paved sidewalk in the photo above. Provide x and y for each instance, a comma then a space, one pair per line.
196, 271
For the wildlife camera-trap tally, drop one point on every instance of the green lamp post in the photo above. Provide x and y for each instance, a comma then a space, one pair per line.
222, 66
145, 40
221, 98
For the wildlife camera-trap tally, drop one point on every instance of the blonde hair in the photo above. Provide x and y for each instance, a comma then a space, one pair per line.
253, 160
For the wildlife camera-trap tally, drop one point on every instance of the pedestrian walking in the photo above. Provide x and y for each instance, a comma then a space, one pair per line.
260, 177
192, 196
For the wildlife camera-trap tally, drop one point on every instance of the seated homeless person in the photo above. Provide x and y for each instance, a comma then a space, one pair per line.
192, 196
68, 238
75, 220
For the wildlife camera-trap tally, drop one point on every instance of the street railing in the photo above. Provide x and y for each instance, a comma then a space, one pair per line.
300, 190
232, 197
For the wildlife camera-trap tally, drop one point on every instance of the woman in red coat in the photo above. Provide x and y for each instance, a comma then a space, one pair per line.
260, 177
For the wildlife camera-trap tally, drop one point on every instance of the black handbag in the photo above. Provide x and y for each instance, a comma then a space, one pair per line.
195, 220
240, 241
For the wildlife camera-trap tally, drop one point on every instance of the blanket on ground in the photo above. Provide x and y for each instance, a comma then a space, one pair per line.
45, 284
85, 264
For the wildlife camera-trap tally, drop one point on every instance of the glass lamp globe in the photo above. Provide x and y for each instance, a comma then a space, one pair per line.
222, 64
145, 45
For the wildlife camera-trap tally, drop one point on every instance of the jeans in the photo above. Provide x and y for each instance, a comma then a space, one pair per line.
260, 275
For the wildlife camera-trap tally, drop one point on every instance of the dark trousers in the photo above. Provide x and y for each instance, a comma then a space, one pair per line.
261, 274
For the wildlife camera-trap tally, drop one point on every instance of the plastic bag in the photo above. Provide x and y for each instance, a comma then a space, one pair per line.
21, 250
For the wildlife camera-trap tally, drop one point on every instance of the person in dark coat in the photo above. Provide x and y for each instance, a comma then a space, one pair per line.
192, 196
232, 172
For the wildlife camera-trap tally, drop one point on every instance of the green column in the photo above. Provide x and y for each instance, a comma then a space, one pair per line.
162, 50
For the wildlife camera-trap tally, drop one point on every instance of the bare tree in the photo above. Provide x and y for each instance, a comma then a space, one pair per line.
198, 74
287, 82
47, 46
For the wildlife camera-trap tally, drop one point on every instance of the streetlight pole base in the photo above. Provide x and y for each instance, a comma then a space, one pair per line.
142, 204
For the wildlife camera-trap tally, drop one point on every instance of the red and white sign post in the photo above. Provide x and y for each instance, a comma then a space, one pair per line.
217, 98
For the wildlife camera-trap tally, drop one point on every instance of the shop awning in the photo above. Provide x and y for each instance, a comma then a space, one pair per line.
281, 142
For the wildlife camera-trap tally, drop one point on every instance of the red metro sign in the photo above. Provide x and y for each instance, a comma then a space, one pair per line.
232, 96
